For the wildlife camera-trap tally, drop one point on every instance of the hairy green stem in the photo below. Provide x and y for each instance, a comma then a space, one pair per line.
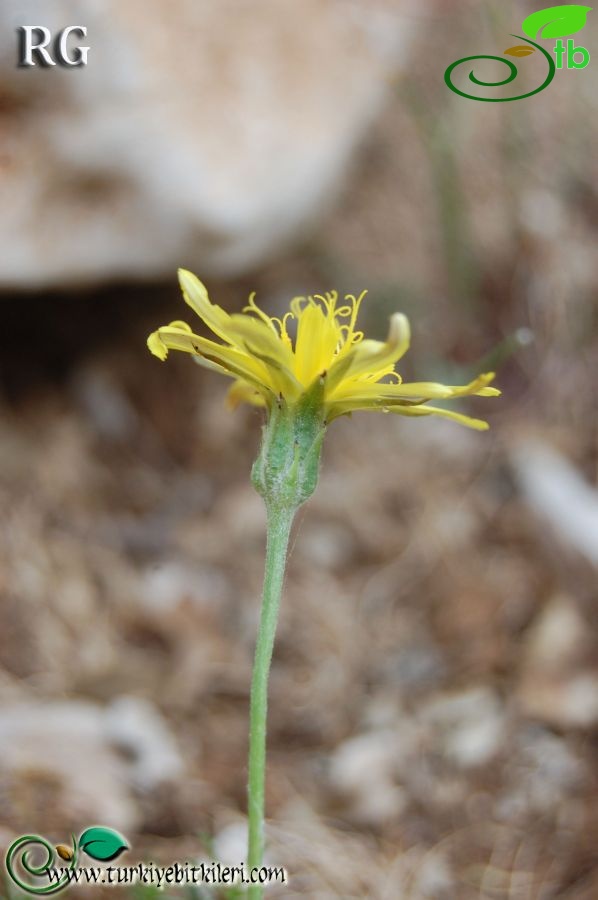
280, 520
285, 473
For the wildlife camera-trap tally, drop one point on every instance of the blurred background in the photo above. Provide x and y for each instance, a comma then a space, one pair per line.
434, 692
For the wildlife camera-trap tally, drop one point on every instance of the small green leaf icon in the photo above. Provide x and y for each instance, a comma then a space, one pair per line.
520, 50
102, 843
556, 21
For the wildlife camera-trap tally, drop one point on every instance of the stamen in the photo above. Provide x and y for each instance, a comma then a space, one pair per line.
325, 302
282, 332
397, 378
276, 321
355, 304
283, 329
297, 306
252, 307
332, 298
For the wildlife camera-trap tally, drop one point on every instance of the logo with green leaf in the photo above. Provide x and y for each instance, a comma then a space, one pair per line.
25, 862
545, 24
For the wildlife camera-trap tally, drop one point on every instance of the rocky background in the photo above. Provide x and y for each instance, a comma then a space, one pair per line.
208, 131
434, 694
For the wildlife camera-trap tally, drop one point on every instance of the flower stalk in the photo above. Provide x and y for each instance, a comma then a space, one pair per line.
279, 529
285, 474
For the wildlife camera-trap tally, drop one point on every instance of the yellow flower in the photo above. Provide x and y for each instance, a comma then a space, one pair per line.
267, 364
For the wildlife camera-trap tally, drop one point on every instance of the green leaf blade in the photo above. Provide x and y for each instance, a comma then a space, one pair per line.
556, 21
103, 844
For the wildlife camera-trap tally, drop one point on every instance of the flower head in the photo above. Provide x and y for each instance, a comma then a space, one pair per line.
315, 344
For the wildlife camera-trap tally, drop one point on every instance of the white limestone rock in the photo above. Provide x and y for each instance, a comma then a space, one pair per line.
199, 133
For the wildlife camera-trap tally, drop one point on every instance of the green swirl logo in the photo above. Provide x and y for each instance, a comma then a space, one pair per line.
31, 859
22, 869
554, 22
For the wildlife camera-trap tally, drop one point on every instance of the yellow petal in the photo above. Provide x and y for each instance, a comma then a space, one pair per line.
196, 296
423, 390
478, 424
257, 336
231, 361
157, 346
345, 407
243, 392
370, 357
317, 337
